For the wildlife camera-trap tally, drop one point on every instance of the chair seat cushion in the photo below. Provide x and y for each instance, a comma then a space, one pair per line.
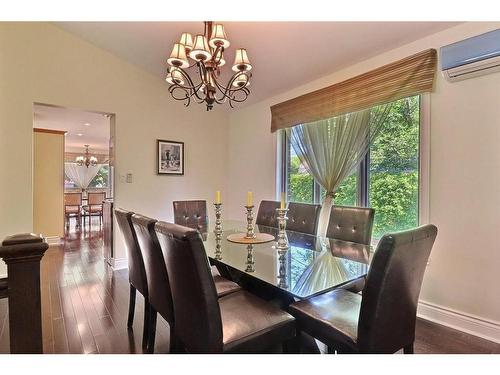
250, 324
225, 286
93, 208
72, 209
331, 317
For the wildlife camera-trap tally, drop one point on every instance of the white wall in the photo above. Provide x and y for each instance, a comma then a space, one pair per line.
41, 63
464, 176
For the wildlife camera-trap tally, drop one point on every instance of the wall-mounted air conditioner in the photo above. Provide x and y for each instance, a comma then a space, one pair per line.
471, 57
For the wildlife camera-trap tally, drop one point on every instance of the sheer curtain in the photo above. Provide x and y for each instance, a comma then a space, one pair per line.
331, 148
81, 175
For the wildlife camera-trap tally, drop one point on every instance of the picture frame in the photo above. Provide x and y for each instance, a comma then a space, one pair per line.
169, 157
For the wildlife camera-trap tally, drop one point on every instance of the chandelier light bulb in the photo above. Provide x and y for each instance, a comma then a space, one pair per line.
175, 76
241, 81
241, 61
201, 49
187, 41
218, 37
178, 56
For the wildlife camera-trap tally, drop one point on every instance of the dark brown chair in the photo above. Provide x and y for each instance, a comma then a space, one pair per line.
136, 270
303, 217
73, 207
191, 214
352, 224
237, 322
267, 214
94, 206
383, 319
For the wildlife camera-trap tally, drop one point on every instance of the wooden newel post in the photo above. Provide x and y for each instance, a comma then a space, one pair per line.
22, 254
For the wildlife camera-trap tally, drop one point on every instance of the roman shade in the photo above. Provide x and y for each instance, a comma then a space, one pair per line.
410, 76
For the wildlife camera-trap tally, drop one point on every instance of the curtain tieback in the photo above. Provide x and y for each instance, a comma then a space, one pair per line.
331, 194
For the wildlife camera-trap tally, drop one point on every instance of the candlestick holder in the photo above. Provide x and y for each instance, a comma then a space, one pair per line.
250, 263
282, 276
218, 220
250, 228
282, 244
218, 248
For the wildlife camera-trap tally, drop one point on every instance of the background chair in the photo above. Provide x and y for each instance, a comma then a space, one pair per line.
191, 214
303, 217
237, 322
383, 319
267, 214
352, 224
94, 206
72, 207
136, 270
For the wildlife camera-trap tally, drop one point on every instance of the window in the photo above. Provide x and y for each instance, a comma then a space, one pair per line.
387, 179
101, 178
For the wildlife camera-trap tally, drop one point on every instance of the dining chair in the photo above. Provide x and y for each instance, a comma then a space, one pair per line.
303, 217
382, 320
191, 214
72, 207
353, 224
94, 206
267, 215
237, 322
136, 270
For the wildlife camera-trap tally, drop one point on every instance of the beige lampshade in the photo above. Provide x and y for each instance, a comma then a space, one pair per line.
220, 62
241, 61
241, 80
201, 49
187, 41
175, 76
218, 37
178, 56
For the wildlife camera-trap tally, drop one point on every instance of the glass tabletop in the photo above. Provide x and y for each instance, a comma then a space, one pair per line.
311, 266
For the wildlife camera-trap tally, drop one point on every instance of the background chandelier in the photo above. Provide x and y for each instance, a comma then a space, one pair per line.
207, 54
86, 159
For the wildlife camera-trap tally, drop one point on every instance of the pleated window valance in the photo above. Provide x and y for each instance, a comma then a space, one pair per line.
410, 76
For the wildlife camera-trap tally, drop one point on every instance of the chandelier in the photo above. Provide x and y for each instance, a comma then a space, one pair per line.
86, 159
206, 52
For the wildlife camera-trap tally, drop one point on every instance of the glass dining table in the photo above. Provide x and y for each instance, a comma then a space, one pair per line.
311, 266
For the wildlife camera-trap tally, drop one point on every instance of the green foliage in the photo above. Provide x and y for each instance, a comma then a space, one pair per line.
101, 178
393, 185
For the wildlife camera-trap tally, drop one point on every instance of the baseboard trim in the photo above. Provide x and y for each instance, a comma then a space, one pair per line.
53, 240
118, 264
486, 329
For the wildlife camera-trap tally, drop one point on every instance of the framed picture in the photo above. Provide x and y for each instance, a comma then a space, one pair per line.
170, 156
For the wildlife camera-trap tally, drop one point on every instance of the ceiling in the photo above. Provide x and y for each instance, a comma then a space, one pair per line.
284, 54
96, 133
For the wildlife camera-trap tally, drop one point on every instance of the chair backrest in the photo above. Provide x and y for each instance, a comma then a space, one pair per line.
191, 214
389, 305
198, 323
96, 198
267, 214
136, 270
303, 217
353, 224
159, 293
72, 199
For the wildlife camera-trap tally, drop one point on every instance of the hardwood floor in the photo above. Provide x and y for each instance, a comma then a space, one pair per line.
85, 306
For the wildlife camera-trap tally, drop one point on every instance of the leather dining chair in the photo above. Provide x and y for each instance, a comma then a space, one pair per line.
303, 217
382, 320
353, 224
191, 214
237, 322
136, 270
73, 207
267, 215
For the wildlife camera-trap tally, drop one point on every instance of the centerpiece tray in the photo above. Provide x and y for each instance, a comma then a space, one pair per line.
259, 238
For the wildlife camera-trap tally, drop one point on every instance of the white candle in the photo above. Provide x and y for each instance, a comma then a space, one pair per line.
249, 199
217, 197
283, 204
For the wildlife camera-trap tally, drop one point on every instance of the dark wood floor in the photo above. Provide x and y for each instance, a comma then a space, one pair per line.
85, 305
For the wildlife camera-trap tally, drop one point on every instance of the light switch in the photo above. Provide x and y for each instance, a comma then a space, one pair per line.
129, 178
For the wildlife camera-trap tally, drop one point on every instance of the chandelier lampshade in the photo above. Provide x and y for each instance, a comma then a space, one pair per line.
205, 54
241, 61
218, 37
86, 160
178, 56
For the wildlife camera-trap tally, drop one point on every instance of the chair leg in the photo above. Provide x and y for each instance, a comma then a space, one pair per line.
131, 306
152, 330
408, 349
147, 317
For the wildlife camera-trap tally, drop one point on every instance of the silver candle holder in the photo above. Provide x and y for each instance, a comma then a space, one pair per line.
282, 276
218, 231
282, 244
250, 229
218, 248
250, 263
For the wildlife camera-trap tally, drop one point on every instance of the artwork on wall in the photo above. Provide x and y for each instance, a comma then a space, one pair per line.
170, 156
